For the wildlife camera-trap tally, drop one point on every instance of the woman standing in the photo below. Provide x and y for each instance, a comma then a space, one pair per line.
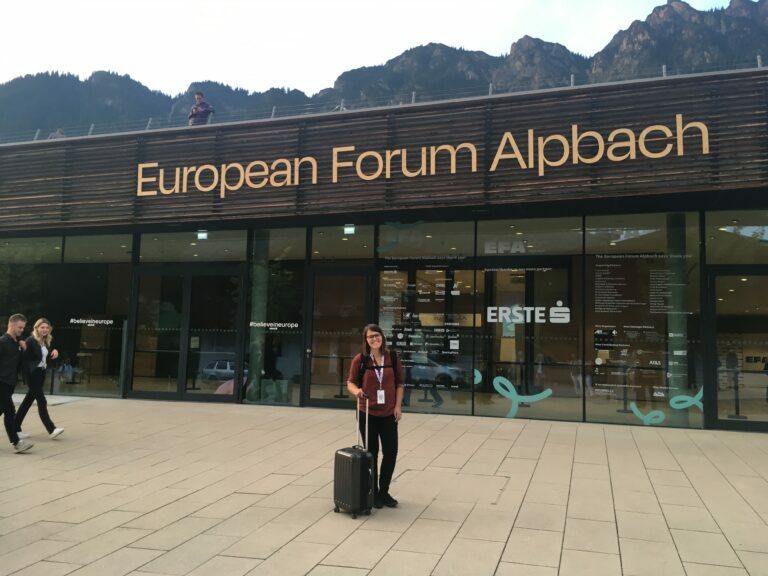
378, 374
35, 362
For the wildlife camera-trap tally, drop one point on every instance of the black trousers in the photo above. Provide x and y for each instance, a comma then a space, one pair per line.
9, 412
35, 392
384, 429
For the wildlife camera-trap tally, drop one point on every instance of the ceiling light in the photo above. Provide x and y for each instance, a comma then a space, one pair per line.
202, 234
743, 279
349, 229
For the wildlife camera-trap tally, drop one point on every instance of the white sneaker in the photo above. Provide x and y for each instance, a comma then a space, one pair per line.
21, 435
22, 446
56, 432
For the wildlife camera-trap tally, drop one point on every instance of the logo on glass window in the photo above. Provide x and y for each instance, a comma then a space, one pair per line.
557, 314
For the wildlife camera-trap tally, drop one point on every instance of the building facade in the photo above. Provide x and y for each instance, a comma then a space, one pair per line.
586, 254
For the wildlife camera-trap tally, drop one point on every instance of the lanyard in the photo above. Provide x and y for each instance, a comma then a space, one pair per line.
379, 370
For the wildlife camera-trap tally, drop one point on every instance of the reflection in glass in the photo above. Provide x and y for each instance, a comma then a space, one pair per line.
87, 305
342, 242
529, 237
338, 316
529, 349
275, 350
194, 246
742, 347
30, 250
212, 340
158, 334
643, 319
93, 249
445, 240
737, 237
428, 316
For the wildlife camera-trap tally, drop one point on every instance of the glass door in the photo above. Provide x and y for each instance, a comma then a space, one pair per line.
427, 310
187, 340
212, 335
341, 306
528, 348
739, 358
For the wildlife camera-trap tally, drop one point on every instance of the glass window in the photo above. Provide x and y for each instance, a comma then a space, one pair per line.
528, 237
31, 250
342, 242
737, 237
528, 347
644, 357
93, 249
741, 318
427, 240
428, 316
286, 244
274, 358
87, 304
194, 246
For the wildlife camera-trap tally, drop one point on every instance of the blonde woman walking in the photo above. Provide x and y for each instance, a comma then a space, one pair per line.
35, 362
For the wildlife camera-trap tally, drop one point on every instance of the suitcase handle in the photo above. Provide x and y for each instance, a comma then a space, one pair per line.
357, 422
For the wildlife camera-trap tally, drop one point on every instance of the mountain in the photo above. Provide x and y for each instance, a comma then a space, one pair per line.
675, 34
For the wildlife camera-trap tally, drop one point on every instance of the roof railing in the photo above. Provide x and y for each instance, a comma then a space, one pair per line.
345, 104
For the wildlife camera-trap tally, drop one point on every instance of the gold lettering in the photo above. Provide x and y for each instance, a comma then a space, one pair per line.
225, 186
214, 183
141, 180
681, 132
508, 139
422, 171
543, 160
452, 151
251, 172
161, 181
187, 171
337, 163
284, 174
379, 165
629, 144
297, 162
531, 148
389, 154
644, 134
576, 139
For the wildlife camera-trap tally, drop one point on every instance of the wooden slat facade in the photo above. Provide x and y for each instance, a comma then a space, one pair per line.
90, 183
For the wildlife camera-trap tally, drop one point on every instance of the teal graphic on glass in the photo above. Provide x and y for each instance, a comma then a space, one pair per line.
508, 390
683, 401
653, 417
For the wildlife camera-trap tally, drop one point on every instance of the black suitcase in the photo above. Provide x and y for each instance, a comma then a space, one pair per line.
354, 475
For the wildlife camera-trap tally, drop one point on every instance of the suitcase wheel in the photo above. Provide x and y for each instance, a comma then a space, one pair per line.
354, 515
368, 512
336, 509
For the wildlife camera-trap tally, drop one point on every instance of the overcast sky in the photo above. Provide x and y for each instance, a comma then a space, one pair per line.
304, 44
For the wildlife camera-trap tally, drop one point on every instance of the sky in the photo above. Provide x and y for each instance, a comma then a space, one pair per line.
304, 44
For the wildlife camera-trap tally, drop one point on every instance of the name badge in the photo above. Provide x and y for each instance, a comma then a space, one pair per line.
379, 396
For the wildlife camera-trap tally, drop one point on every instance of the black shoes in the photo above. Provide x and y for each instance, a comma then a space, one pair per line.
384, 499
388, 501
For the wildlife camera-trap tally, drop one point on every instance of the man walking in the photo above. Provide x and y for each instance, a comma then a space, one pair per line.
10, 361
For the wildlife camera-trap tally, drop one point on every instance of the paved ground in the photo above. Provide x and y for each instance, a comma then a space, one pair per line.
142, 488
